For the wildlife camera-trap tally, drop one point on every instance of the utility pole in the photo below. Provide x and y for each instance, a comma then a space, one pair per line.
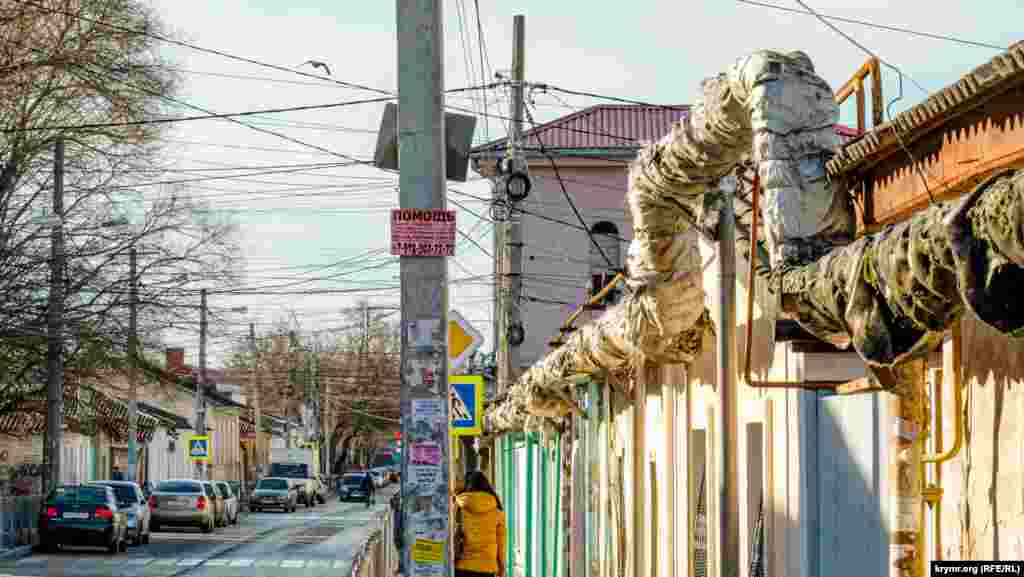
424, 392
55, 325
133, 375
728, 501
511, 279
257, 393
200, 398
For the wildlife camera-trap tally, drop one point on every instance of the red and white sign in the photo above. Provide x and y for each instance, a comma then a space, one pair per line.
422, 232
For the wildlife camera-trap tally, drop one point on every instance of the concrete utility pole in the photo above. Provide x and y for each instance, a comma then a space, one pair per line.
133, 373
257, 393
511, 278
422, 185
728, 501
55, 325
200, 398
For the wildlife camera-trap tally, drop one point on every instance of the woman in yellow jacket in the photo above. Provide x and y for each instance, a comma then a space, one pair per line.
483, 527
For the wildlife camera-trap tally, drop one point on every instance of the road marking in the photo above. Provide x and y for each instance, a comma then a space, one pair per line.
189, 562
217, 562
341, 564
292, 563
241, 563
165, 562
266, 563
140, 560
318, 563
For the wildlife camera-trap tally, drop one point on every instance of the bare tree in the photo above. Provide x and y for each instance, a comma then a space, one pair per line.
89, 73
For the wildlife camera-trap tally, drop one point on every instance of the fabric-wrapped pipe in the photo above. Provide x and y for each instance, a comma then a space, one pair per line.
893, 294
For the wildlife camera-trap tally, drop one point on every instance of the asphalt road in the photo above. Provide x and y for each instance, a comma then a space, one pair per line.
313, 542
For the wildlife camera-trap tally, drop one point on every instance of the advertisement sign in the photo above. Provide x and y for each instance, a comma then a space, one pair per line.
467, 398
199, 447
422, 232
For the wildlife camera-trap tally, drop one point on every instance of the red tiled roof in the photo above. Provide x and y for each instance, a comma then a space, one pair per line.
610, 126
605, 126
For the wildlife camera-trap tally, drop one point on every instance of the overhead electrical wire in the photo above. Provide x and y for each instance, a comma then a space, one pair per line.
568, 198
890, 28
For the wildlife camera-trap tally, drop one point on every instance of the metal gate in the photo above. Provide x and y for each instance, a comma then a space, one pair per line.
852, 491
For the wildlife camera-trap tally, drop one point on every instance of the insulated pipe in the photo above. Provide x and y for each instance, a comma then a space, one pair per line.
755, 193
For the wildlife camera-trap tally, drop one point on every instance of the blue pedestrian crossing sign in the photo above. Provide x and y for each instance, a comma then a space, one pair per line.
467, 404
199, 447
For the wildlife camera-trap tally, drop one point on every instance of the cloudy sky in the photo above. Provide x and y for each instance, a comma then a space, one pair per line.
326, 229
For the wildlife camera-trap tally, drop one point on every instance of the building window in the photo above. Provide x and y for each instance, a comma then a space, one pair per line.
606, 236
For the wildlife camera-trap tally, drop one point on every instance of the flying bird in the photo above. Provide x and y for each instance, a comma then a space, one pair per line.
317, 64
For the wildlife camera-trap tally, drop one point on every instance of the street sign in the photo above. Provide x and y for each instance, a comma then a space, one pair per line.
463, 340
199, 447
422, 232
467, 398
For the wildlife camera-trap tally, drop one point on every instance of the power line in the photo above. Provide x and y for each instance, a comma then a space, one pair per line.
568, 199
197, 48
879, 26
853, 41
207, 116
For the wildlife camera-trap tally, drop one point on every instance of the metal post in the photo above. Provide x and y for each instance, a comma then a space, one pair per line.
200, 397
133, 375
256, 395
55, 325
728, 517
424, 397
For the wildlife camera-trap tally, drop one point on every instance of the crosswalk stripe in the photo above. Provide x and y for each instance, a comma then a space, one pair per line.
140, 560
292, 563
266, 562
241, 562
189, 562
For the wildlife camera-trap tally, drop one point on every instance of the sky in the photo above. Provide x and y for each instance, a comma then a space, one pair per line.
327, 229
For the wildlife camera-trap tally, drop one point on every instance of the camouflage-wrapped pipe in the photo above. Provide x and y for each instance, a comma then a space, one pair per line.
769, 105
892, 294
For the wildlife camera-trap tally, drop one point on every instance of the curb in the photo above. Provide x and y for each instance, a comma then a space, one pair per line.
16, 552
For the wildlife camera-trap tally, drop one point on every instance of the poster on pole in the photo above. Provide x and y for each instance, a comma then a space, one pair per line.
467, 400
422, 232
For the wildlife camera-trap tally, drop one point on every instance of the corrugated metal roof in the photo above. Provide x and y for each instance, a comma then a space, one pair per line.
971, 89
605, 126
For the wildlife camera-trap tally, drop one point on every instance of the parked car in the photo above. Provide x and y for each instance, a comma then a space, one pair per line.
183, 502
132, 501
275, 493
230, 502
220, 509
351, 487
82, 515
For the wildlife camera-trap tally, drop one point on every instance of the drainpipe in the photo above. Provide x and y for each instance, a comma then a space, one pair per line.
728, 530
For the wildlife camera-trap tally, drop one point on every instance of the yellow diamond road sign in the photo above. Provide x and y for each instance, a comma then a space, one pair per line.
463, 339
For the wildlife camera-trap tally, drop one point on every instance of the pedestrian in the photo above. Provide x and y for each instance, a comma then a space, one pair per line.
480, 529
117, 475
368, 488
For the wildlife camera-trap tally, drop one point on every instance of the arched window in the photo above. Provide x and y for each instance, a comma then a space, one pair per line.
606, 236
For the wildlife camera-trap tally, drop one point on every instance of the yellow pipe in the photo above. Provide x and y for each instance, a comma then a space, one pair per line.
932, 493
958, 392
593, 300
